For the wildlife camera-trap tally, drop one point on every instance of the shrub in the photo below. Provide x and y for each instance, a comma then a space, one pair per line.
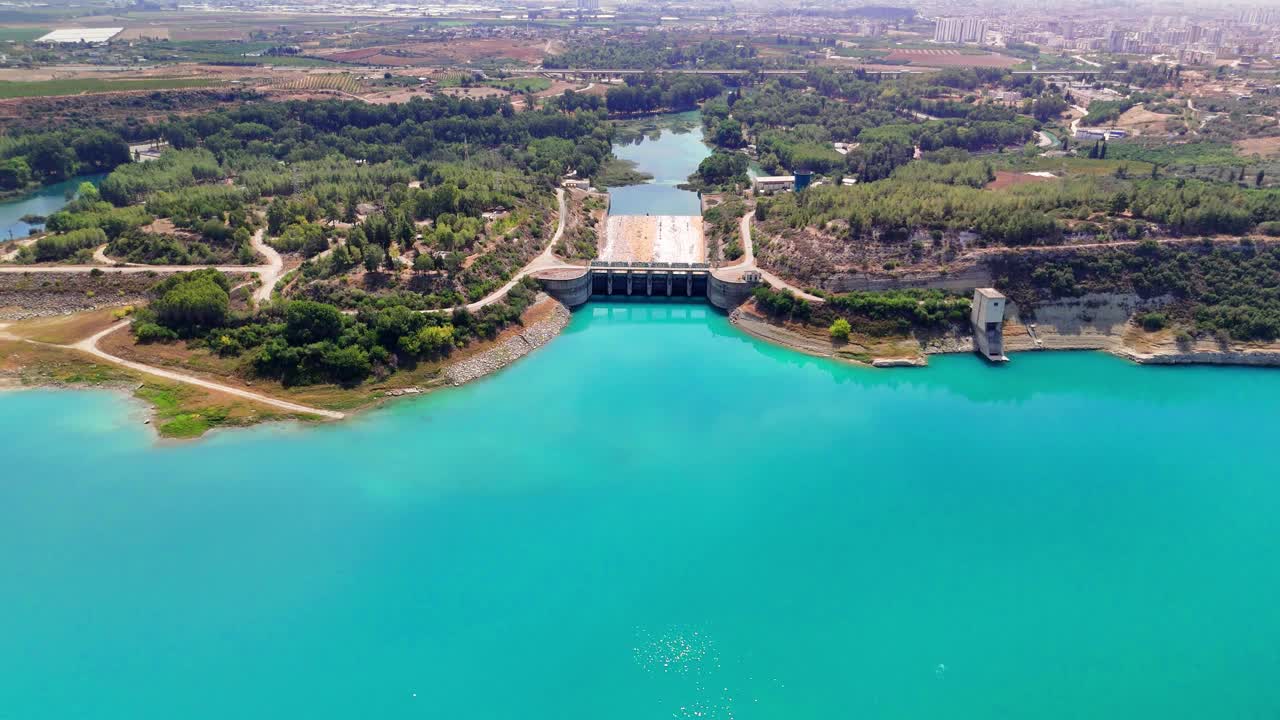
150, 332
840, 329
1153, 321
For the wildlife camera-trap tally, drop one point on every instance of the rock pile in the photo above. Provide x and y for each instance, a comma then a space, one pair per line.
510, 350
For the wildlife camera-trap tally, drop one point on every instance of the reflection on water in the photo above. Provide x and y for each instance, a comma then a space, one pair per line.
44, 202
657, 516
669, 151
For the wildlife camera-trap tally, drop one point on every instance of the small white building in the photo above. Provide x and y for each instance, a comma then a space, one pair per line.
767, 184
1093, 133
987, 317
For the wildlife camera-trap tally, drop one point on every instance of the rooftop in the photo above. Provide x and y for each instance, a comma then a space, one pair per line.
80, 35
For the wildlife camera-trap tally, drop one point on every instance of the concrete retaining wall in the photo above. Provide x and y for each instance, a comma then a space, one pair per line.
572, 291
727, 294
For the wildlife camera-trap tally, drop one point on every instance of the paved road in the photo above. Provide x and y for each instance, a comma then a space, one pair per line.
90, 345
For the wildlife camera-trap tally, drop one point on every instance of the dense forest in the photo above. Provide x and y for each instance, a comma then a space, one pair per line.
301, 342
649, 93
656, 50
947, 197
325, 174
397, 209
794, 122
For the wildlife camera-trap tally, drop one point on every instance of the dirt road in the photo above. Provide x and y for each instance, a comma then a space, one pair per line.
90, 345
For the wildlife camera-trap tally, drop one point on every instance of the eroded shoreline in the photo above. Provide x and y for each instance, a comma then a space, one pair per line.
1017, 340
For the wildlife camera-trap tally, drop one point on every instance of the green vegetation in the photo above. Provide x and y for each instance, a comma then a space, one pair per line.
794, 127
44, 88
304, 342
656, 50
182, 414
879, 314
1038, 213
61, 247
1206, 153
21, 34
616, 172
1224, 291
722, 221
719, 170
650, 93
522, 84
53, 156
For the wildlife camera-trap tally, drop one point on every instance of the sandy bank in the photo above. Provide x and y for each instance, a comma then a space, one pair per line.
872, 352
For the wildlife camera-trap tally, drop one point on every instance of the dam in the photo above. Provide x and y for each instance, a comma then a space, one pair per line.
652, 244
649, 280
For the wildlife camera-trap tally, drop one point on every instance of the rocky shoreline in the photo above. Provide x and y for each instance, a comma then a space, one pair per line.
513, 348
1018, 342
24, 296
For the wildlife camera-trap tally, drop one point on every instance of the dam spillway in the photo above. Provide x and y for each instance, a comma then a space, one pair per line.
654, 238
724, 288
651, 243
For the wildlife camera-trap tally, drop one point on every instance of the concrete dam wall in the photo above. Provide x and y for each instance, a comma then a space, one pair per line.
641, 280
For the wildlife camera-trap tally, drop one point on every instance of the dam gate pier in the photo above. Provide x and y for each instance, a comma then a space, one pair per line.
612, 278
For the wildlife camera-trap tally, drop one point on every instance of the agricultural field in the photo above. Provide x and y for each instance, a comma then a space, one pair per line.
21, 34
521, 84
79, 86
342, 82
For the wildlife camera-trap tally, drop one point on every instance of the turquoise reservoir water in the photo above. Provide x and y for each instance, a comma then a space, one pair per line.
656, 517
670, 158
45, 201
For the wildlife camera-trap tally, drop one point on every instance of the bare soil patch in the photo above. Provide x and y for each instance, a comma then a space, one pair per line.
1006, 179
952, 58
1265, 146
1141, 121
66, 329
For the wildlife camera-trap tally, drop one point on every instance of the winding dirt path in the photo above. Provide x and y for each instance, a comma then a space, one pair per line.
17, 246
749, 263
90, 345
270, 273
546, 260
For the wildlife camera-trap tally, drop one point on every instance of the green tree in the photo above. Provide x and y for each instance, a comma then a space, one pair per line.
195, 300
309, 322
840, 329
51, 159
374, 257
